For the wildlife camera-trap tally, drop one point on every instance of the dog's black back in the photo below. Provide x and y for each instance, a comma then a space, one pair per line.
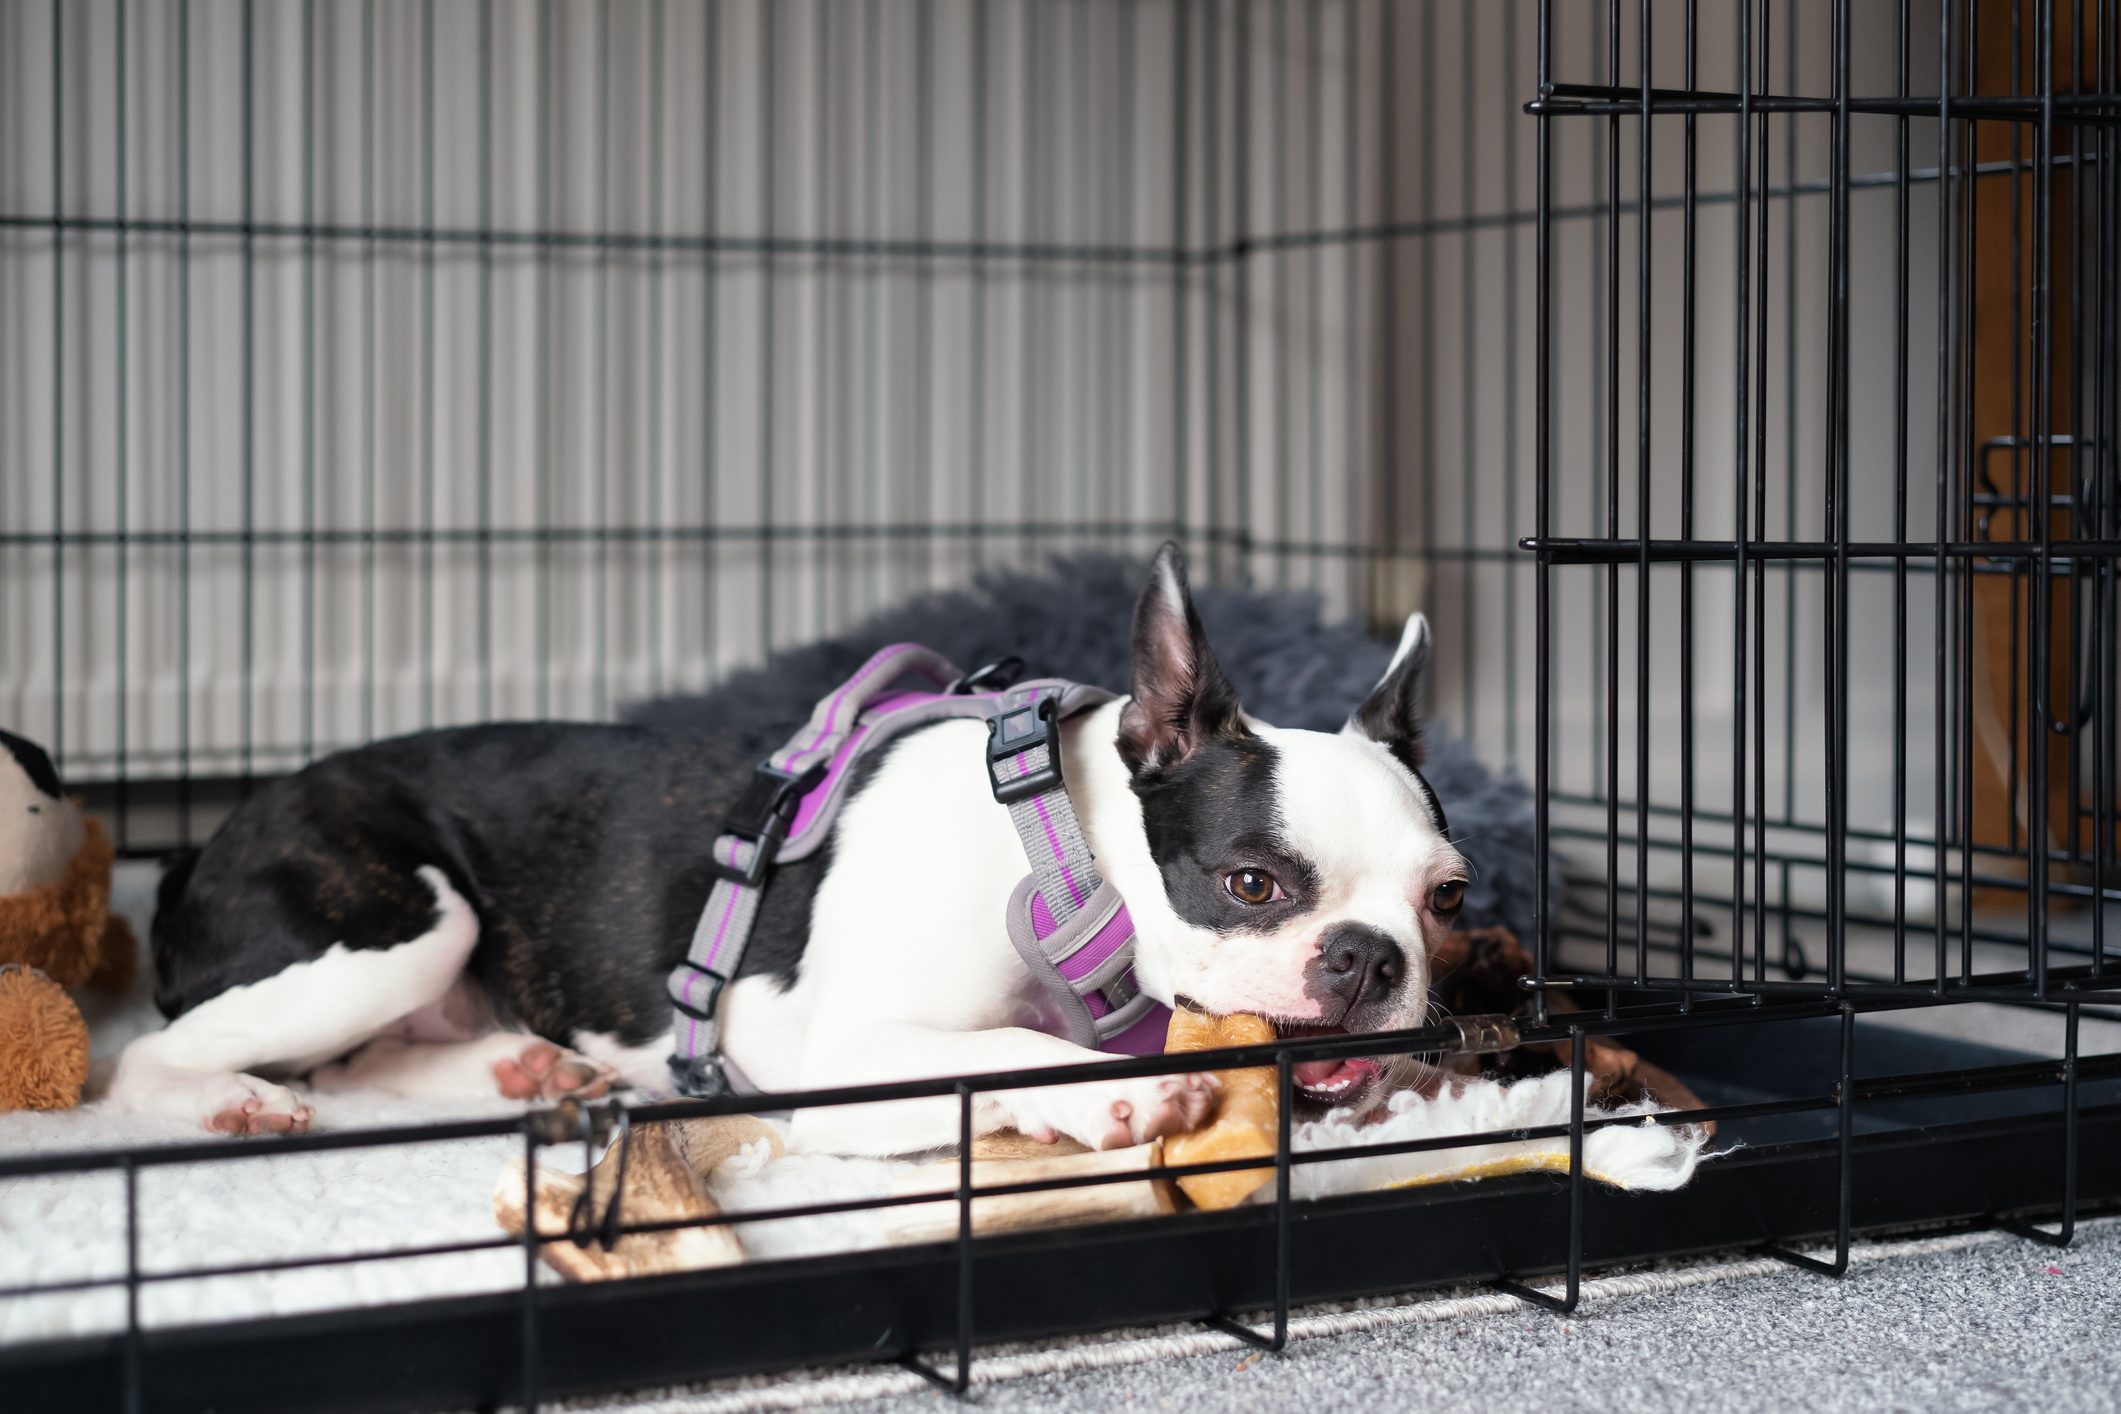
582, 848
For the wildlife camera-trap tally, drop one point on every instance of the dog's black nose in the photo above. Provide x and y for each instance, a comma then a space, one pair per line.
1358, 963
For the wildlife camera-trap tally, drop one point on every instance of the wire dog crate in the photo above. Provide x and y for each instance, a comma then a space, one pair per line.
1736, 384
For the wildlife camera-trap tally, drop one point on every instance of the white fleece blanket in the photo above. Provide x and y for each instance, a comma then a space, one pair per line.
376, 1200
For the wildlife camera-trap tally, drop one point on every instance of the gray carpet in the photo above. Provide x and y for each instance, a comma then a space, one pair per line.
1989, 1328
1991, 1322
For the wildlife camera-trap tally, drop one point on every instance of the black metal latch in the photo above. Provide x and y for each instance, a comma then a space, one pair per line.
762, 815
1483, 1035
1009, 735
997, 676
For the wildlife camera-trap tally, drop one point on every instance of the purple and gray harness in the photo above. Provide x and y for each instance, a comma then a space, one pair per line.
1068, 923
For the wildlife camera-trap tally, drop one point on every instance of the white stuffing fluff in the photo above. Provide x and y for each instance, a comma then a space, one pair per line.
1651, 1156
69, 1227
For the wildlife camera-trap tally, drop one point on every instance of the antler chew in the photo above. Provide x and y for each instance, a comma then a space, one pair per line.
661, 1186
1103, 1202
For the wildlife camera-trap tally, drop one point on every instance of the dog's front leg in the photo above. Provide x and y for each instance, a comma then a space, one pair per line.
1102, 1114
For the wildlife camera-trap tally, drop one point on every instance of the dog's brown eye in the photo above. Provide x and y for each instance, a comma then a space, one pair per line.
1252, 886
1448, 898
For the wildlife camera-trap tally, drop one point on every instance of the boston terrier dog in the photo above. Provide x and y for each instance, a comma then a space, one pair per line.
500, 906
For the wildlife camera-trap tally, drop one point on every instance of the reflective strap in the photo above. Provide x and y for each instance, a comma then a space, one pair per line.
1064, 882
1045, 823
724, 929
1086, 968
1068, 924
1135, 1029
1039, 941
1054, 845
835, 717
718, 941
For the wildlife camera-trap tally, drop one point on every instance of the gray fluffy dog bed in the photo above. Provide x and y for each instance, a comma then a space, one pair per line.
1074, 621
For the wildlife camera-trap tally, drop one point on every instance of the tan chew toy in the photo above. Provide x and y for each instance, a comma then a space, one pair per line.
1102, 1202
665, 1182
1245, 1113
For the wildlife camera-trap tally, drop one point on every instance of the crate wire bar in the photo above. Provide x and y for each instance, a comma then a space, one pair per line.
2089, 552
2033, 563
564, 1125
757, 294
599, 351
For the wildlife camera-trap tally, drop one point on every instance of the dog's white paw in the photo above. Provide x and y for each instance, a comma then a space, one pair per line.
224, 1102
1117, 1114
248, 1105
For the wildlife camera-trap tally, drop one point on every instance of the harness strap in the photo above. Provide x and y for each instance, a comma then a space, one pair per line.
750, 845
1023, 765
1067, 922
1087, 967
836, 717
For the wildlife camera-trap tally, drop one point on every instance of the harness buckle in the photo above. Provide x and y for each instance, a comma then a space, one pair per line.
762, 815
997, 676
1009, 735
699, 1077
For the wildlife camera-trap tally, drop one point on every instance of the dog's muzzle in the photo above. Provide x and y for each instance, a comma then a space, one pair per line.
1357, 966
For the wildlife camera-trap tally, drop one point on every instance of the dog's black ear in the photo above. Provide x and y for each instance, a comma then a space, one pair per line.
1392, 712
1181, 698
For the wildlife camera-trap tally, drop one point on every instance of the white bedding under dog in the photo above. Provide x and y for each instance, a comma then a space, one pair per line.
269, 1209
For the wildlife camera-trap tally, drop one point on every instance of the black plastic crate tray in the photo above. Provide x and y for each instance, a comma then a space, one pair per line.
1934, 1159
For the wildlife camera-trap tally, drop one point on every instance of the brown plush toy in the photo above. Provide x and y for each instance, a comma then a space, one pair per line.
56, 931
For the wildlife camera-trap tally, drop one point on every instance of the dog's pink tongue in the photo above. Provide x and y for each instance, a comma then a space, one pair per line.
1327, 1076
